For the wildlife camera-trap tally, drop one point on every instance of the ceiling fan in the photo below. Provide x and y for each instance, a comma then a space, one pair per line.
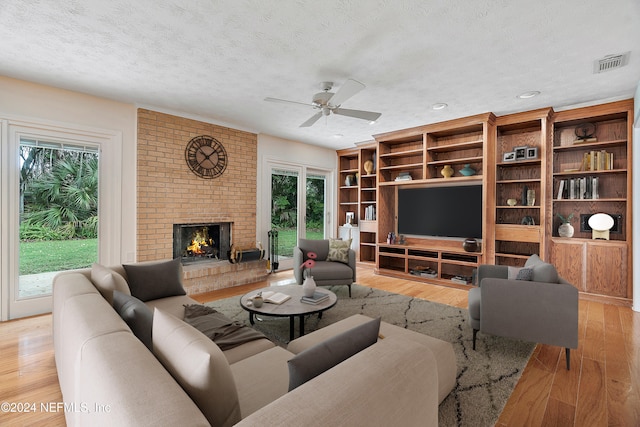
327, 102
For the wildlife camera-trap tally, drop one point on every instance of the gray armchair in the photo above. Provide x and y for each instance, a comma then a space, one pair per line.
543, 309
325, 273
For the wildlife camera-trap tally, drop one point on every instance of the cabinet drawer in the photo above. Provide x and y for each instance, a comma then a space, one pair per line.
518, 233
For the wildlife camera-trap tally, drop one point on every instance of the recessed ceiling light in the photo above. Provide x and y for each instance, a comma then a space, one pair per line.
373, 122
439, 106
530, 94
338, 135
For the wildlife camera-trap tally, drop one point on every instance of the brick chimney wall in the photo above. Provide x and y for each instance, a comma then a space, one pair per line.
169, 193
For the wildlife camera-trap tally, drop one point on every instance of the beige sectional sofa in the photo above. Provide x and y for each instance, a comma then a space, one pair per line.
109, 377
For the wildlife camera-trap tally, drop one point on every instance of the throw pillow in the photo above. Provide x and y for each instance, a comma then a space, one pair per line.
525, 274
199, 366
321, 357
542, 271
226, 333
156, 280
136, 315
339, 250
512, 272
106, 281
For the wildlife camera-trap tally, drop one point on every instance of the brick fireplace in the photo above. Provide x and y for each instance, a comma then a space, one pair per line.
201, 242
169, 194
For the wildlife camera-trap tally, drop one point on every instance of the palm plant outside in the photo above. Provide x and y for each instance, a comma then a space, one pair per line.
58, 209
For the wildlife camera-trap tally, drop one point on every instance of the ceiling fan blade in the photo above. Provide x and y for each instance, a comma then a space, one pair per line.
284, 101
358, 114
312, 120
346, 91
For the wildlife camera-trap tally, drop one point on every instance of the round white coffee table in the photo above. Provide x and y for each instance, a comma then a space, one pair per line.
291, 308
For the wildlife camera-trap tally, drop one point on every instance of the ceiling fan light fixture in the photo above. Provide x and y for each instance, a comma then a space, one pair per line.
529, 94
439, 106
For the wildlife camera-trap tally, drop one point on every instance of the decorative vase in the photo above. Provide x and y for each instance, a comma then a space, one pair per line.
447, 171
350, 180
531, 197
470, 245
308, 286
512, 202
467, 170
565, 230
368, 167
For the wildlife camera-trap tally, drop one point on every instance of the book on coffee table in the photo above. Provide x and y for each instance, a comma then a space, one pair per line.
275, 297
317, 298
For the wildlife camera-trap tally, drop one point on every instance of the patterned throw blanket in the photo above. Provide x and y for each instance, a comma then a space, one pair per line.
225, 332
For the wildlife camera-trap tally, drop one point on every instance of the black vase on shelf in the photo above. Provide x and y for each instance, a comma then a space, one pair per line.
525, 189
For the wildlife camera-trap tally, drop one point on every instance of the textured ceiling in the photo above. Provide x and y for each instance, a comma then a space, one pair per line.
219, 59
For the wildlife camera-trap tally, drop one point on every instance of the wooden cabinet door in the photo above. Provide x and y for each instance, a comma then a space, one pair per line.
607, 266
568, 257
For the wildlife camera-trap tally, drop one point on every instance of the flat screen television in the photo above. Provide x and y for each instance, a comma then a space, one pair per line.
447, 211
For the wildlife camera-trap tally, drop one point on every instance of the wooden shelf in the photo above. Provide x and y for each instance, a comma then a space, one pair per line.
405, 153
456, 146
596, 172
602, 199
455, 161
586, 146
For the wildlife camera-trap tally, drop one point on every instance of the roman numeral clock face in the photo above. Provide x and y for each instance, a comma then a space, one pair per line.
206, 157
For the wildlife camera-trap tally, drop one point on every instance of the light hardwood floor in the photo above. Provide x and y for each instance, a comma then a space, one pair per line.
601, 389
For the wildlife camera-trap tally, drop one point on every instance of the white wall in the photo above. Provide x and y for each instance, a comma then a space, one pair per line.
636, 203
38, 103
270, 149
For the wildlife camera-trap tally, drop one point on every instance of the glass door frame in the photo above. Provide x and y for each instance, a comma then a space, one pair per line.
303, 171
109, 209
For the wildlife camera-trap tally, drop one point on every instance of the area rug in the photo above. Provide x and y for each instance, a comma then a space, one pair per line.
486, 376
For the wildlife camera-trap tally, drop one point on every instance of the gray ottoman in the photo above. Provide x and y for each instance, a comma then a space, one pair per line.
442, 350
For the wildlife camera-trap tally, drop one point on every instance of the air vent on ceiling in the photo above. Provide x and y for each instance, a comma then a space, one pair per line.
610, 62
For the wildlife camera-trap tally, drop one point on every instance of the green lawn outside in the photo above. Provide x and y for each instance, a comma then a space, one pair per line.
57, 255
287, 240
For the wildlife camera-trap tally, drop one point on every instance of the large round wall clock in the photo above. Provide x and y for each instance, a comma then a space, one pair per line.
206, 156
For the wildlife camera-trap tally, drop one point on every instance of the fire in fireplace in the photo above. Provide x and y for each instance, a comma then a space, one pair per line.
201, 242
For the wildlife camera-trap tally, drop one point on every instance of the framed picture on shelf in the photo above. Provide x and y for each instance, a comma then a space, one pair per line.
509, 157
350, 218
532, 152
520, 153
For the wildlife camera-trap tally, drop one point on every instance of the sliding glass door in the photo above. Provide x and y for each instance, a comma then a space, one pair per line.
298, 207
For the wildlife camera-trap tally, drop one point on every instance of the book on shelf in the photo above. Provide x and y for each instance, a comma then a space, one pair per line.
462, 280
404, 176
597, 161
370, 213
274, 297
316, 298
429, 273
584, 188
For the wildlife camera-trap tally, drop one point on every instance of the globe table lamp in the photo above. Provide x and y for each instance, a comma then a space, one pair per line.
600, 224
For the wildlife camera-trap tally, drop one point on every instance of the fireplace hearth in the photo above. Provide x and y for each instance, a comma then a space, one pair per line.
201, 242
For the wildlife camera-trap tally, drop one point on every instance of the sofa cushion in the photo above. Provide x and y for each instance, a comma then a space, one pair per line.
339, 250
542, 271
136, 314
199, 366
312, 362
320, 247
150, 281
328, 270
226, 333
106, 281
